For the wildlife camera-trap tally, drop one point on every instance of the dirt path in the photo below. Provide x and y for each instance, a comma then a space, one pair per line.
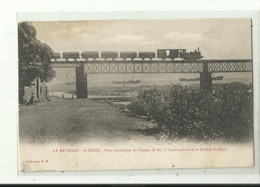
75, 121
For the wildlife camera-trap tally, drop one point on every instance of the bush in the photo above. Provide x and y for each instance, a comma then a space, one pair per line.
184, 112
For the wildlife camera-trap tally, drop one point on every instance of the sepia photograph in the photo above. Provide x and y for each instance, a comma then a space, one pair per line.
135, 94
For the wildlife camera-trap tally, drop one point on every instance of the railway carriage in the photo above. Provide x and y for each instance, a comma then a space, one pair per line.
131, 55
144, 55
109, 54
68, 55
89, 54
56, 56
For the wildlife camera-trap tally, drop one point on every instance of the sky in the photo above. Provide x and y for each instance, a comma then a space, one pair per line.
216, 38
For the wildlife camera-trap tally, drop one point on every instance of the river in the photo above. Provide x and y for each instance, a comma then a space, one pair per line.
64, 83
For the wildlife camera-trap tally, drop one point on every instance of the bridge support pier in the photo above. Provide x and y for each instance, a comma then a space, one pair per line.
206, 80
81, 82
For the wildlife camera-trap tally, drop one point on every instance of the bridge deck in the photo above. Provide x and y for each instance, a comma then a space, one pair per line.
156, 66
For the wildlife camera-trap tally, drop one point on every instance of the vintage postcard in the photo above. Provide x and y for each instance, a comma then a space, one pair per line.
135, 94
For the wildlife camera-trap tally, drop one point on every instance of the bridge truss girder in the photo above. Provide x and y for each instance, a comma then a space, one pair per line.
111, 67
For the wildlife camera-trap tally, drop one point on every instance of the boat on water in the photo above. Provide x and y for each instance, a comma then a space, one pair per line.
198, 78
192, 79
218, 78
127, 82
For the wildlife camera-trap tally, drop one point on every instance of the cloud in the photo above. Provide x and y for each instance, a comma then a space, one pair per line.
123, 38
69, 33
179, 36
132, 42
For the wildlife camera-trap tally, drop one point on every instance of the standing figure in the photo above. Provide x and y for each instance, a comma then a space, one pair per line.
31, 101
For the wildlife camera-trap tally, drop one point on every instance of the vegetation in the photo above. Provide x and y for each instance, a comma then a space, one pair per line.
182, 112
33, 57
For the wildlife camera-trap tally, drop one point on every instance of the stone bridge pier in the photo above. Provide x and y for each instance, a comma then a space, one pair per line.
81, 82
206, 79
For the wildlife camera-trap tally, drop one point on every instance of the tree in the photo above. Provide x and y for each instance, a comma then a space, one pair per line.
34, 58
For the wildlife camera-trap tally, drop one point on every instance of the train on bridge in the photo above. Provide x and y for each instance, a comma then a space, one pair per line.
173, 54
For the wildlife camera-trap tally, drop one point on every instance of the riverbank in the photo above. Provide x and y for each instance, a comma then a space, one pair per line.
86, 134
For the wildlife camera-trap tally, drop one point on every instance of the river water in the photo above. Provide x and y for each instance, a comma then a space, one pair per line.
64, 83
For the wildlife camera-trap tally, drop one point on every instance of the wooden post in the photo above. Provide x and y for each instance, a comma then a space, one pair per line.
38, 88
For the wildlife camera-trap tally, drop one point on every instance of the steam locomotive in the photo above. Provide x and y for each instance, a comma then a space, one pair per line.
179, 54
173, 54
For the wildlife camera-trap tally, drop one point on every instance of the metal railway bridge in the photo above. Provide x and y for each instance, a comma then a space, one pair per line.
204, 67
